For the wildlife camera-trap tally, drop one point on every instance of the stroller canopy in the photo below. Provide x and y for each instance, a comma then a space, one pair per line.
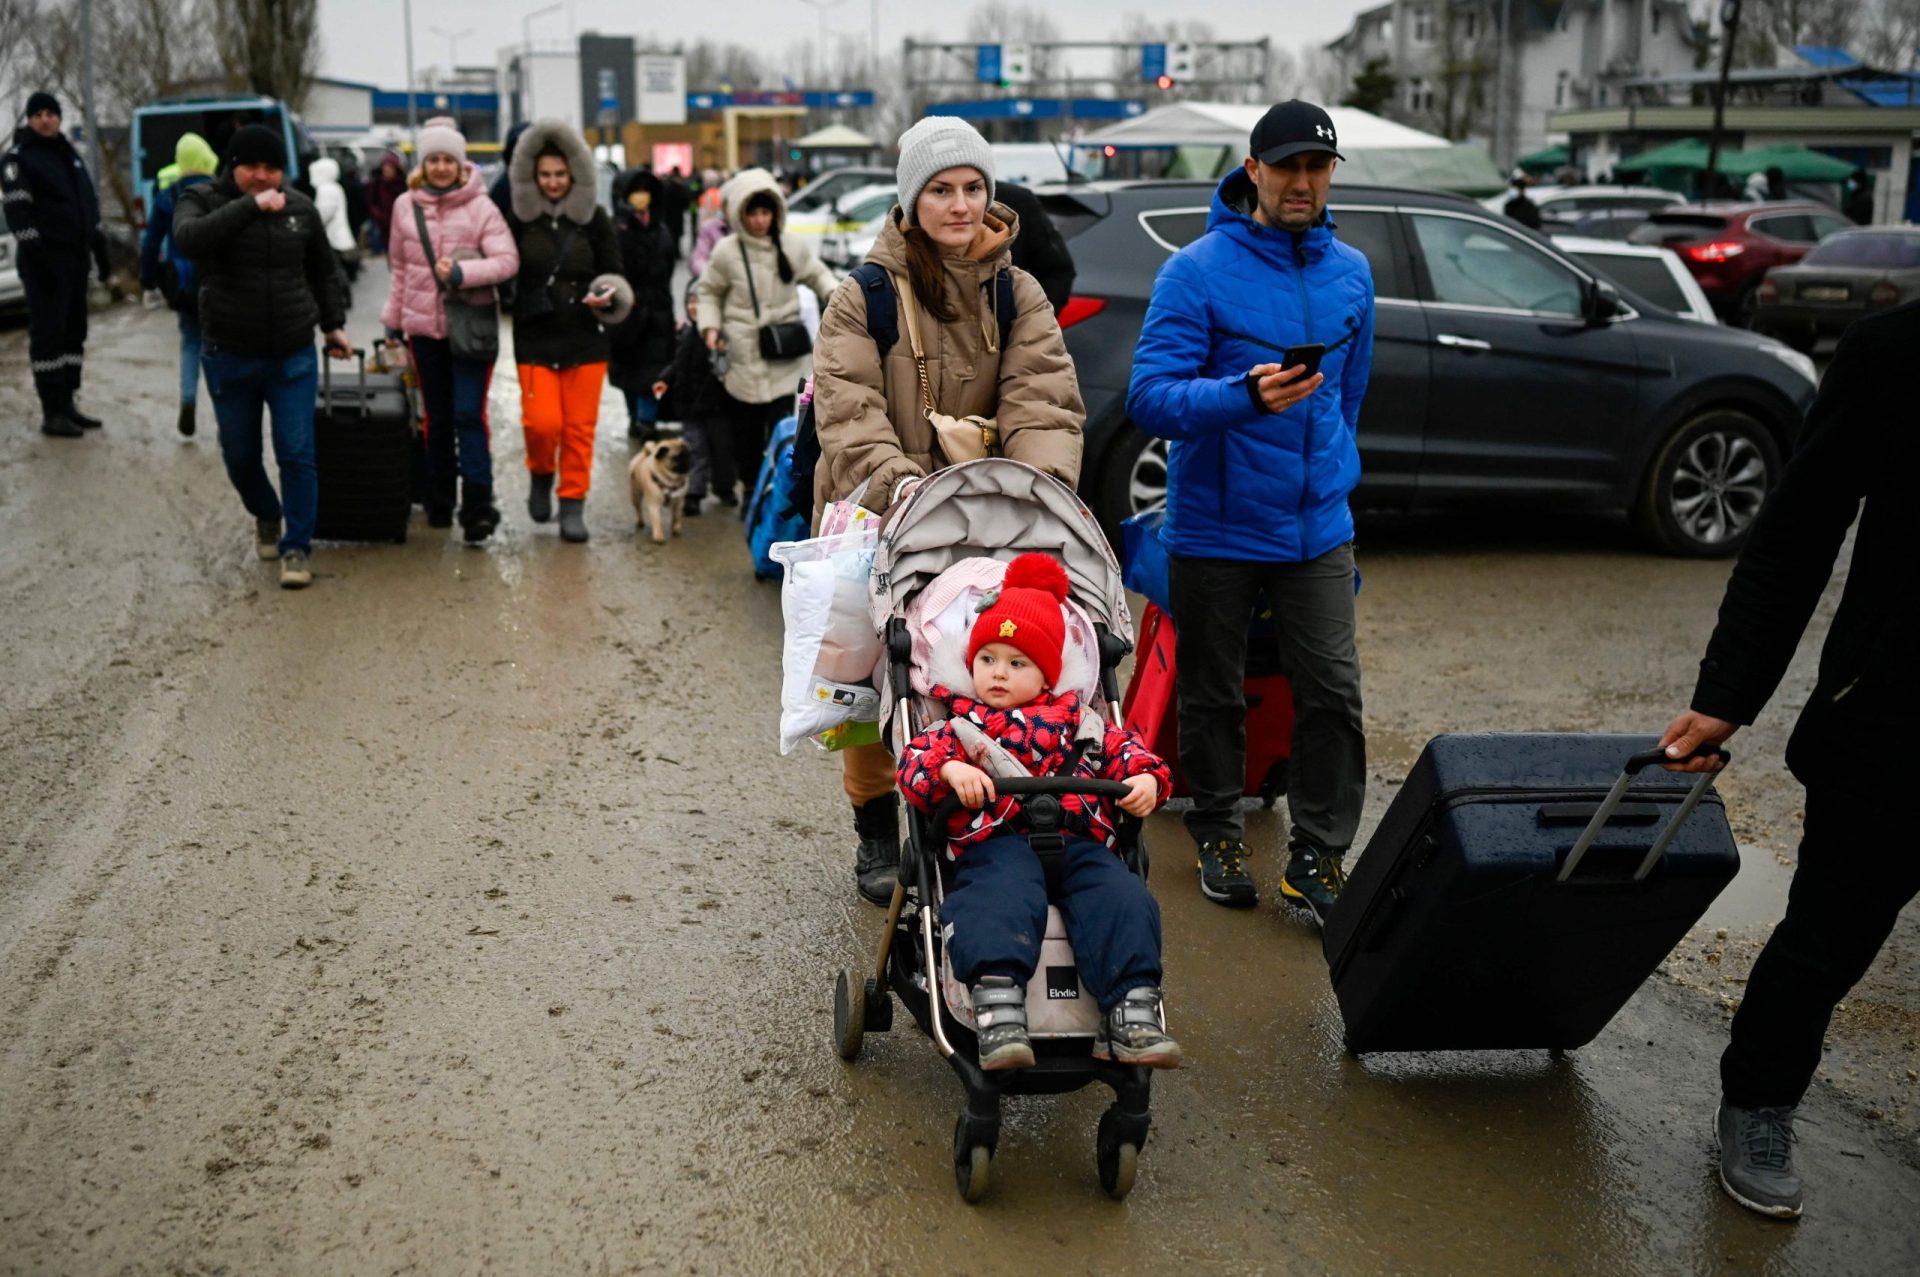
996, 508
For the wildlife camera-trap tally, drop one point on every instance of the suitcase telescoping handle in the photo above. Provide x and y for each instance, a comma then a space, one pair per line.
1635, 765
326, 379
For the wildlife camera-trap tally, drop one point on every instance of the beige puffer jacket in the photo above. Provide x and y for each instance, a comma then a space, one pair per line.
870, 419
726, 303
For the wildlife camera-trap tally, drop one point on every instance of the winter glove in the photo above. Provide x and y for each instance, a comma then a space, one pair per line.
395, 336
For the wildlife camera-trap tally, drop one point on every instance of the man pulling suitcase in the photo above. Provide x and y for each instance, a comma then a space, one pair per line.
1253, 361
1852, 746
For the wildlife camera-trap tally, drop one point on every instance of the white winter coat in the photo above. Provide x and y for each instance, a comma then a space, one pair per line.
330, 198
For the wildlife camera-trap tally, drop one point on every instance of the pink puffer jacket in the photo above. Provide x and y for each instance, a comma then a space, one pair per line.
466, 226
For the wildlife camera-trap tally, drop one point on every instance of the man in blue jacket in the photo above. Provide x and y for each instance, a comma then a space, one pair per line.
1261, 459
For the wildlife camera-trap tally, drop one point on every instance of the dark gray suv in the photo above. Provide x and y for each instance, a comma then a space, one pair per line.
1504, 369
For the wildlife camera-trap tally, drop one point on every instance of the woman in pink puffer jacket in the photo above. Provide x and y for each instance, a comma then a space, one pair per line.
473, 252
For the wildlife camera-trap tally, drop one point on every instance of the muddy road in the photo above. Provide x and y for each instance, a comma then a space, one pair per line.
456, 915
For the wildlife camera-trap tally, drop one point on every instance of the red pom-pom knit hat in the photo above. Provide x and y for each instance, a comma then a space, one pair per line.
1026, 614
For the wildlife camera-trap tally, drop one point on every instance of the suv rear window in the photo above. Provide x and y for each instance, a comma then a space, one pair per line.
1887, 252
1667, 228
1069, 216
1176, 228
1646, 277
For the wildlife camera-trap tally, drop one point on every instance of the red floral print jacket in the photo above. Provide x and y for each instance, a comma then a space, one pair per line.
1041, 735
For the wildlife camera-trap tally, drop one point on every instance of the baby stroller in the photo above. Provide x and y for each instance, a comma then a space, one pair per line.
996, 508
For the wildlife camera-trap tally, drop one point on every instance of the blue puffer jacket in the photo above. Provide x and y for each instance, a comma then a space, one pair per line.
1244, 483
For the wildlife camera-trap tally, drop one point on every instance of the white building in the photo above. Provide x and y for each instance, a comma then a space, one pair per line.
1561, 54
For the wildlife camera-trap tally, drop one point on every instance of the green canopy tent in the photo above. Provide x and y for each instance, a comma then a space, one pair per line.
1797, 162
1687, 155
1551, 160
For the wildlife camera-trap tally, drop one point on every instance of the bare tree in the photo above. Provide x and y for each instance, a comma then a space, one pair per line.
1767, 26
269, 46
1890, 35
1465, 66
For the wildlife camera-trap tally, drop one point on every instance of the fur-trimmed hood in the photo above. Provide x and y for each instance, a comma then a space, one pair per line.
746, 184
528, 202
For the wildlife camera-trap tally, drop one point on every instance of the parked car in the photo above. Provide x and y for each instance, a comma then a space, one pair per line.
158, 126
821, 192
1730, 247
1614, 224
842, 219
1563, 207
1505, 370
13, 294
1645, 271
1846, 276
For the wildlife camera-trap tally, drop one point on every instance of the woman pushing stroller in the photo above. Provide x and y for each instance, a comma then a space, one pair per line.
946, 246
996, 913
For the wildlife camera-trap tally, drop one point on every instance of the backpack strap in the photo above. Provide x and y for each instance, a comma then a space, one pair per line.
883, 309
1004, 305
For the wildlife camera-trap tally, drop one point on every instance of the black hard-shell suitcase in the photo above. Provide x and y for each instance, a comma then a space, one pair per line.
1519, 889
363, 446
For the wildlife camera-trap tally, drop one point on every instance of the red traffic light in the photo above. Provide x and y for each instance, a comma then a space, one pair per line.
1165, 82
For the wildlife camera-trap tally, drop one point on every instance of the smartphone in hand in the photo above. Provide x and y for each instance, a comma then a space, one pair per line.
1308, 355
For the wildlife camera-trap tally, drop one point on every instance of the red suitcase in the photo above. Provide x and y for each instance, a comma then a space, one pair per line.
1151, 706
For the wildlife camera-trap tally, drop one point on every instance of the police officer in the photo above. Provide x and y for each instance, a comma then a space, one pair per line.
54, 215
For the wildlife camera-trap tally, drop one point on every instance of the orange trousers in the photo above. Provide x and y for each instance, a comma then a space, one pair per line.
866, 772
559, 408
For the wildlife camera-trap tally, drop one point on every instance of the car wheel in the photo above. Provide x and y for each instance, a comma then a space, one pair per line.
1746, 305
1706, 485
1802, 338
1135, 478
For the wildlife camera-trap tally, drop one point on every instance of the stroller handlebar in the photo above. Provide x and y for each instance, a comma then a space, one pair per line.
1028, 786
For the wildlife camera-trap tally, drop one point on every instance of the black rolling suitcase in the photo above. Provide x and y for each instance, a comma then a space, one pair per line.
1519, 889
363, 449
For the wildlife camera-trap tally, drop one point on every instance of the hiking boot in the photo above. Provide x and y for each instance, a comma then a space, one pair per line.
1223, 874
876, 862
540, 498
60, 427
82, 420
693, 506
294, 572
478, 515
1131, 1033
1000, 1012
1312, 881
573, 520
266, 538
1756, 1159
187, 423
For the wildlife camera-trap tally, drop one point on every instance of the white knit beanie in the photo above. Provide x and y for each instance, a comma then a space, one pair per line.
937, 143
441, 136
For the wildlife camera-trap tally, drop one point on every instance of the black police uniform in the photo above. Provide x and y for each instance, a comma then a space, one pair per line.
54, 215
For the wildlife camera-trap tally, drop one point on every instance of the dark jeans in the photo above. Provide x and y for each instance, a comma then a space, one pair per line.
454, 392
737, 443
190, 345
1312, 603
1858, 869
998, 912
242, 388
55, 280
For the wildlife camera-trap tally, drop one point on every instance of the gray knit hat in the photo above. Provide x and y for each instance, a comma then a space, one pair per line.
441, 136
937, 143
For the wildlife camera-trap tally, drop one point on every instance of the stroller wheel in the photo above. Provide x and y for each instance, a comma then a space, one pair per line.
849, 1017
974, 1174
1117, 1169
1116, 1151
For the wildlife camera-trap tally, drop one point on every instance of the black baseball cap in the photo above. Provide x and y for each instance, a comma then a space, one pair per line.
1289, 129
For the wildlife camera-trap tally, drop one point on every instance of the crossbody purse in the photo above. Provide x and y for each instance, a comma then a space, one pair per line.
956, 439
473, 327
788, 340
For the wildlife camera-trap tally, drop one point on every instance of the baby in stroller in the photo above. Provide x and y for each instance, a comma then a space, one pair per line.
995, 915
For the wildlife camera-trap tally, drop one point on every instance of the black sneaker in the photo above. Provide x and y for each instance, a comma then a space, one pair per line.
1223, 874
1756, 1159
1313, 881
693, 506
60, 427
187, 423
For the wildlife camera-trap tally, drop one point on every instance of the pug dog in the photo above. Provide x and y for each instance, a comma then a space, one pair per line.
657, 480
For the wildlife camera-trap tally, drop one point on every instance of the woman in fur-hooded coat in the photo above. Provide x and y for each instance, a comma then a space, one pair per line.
570, 293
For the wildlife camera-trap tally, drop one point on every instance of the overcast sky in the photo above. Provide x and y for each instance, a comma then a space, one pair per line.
363, 38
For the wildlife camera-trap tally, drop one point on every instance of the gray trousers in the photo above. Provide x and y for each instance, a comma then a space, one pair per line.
1313, 605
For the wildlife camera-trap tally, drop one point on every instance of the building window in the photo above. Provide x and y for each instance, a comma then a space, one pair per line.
1419, 95
1560, 91
1423, 26
1656, 19
1386, 29
1470, 26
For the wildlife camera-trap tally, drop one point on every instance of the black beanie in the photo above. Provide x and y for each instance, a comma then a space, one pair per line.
256, 144
43, 101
